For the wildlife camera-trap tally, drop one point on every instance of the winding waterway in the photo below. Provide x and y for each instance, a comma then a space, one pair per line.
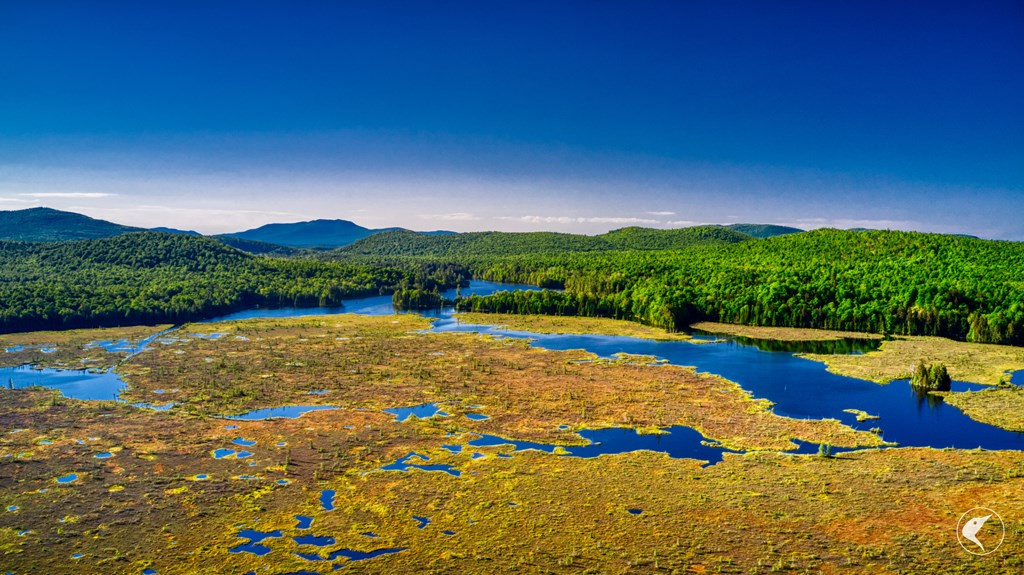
798, 387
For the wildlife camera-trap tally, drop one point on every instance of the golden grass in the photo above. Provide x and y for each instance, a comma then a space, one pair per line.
1002, 406
887, 511
781, 333
870, 511
571, 324
70, 351
376, 362
974, 362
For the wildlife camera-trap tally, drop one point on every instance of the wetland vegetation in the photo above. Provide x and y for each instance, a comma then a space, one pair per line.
610, 441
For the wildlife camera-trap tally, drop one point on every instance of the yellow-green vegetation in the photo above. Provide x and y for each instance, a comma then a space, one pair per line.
380, 362
571, 324
68, 349
781, 333
896, 359
871, 511
161, 500
861, 414
1000, 406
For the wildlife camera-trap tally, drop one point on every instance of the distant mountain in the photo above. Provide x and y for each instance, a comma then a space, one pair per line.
318, 233
175, 231
313, 234
763, 230
49, 225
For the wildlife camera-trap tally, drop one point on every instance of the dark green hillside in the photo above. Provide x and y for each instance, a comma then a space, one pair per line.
481, 244
259, 248
49, 225
152, 277
884, 282
763, 230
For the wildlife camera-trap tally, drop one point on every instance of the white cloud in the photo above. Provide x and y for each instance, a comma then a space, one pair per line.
577, 220
17, 201
455, 216
68, 195
661, 213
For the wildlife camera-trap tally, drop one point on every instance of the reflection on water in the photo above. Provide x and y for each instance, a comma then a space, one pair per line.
839, 346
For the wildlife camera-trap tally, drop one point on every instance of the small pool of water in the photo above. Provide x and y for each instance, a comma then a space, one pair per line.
425, 411
327, 499
76, 384
404, 464
303, 522
69, 478
284, 412
314, 540
422, 521
678, 442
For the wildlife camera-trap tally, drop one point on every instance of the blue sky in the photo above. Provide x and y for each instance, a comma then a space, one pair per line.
567, 116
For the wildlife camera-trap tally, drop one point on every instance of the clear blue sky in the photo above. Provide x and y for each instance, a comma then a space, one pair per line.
569, 116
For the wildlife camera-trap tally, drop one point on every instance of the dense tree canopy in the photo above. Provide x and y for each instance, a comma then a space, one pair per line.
883, 282
154, 277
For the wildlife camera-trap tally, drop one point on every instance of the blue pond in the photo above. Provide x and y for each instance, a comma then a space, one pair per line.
425, 411
679, 442
477, 416
404, 465
77, 384
243, 441
69, 478
353, 555
253, 546
327, 499
314, 540
285, 412
304, 522
423, 521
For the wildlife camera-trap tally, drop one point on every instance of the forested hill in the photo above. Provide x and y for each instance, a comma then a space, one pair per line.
480, 244
49, 225
882, 282
152, 277
763, 230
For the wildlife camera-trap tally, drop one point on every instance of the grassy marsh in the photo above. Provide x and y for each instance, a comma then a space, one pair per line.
895, 359
66, 349
870, 511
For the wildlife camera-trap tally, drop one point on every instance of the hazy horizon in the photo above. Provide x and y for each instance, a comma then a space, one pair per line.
576, 117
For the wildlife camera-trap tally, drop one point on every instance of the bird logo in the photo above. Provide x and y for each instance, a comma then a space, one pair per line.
970, 526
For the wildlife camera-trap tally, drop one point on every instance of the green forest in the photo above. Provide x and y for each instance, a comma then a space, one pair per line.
877, 281
152, 277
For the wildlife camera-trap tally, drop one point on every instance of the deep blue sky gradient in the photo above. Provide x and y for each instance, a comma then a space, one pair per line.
910, 113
